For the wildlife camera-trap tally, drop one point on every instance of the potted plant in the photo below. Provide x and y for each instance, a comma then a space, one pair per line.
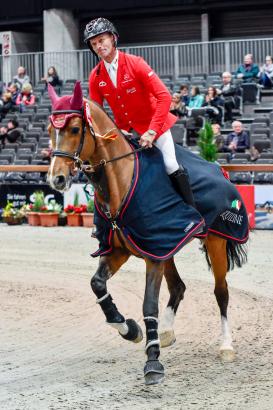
88, 216
34, 208
12, 215
49, 214
206, 143
73, 213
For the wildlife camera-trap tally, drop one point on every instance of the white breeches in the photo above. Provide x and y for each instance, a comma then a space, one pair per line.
166, 145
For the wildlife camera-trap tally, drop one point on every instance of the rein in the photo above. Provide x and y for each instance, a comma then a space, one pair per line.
76, 157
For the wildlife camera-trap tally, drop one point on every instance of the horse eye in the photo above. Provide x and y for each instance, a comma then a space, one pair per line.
75, 130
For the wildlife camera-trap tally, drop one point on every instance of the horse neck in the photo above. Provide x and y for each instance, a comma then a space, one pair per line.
119, 173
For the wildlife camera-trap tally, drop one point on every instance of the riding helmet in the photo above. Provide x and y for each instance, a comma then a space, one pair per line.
99, 26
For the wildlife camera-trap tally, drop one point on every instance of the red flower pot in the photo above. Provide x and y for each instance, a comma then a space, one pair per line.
87, 219
33, 218
74, 220
49, 218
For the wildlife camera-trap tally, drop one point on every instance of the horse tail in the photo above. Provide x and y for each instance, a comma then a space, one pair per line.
236, 254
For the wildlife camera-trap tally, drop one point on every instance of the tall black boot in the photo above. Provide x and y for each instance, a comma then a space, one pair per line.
180, 180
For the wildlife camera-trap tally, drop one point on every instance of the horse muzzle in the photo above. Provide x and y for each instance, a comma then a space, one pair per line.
60, 183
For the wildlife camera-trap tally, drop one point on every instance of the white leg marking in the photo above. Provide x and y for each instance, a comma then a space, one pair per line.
121, 327
227, 340
167, 320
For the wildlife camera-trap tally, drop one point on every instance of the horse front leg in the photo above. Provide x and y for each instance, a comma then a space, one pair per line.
153, 370
217, 253
108, 266
177, 289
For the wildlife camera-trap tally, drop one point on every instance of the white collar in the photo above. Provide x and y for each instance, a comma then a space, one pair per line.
113, 64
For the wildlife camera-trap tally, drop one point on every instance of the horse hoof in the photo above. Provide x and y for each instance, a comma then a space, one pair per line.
134, 334
153, 372
167, 338
227, 355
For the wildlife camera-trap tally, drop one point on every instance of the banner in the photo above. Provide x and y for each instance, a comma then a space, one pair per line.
247, 194
19, 195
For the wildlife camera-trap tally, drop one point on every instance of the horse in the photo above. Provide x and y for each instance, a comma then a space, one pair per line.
87, 139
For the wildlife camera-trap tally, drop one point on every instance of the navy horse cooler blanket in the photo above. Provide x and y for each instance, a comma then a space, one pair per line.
158, 223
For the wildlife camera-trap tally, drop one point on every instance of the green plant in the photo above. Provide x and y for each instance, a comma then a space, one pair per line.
208, 149
53, 206
38, 203
90, 206
76, 199
10, 211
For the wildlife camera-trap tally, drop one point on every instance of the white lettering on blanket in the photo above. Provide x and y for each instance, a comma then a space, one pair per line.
232, 217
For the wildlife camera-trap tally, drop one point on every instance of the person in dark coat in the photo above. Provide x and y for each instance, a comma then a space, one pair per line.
229, 92
213, 104
237, 140
10, 133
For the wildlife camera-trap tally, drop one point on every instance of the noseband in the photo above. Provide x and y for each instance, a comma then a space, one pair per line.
76, 157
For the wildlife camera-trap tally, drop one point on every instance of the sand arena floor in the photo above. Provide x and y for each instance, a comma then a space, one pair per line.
56, 352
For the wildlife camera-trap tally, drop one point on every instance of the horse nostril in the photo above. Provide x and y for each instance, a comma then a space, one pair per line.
59, 181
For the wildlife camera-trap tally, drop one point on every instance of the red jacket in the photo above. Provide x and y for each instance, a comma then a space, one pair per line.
141, 101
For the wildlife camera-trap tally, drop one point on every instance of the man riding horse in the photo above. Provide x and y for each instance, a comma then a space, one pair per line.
138, 98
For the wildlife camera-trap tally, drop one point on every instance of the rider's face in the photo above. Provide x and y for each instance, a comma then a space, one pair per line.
103, 46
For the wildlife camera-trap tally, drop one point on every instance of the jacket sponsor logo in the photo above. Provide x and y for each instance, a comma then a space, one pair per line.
131, 90
102, 84
150, 74
232, 217
126, 76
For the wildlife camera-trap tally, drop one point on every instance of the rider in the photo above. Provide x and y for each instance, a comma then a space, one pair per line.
138, 98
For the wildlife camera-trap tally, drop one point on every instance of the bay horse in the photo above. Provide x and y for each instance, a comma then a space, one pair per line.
79, 138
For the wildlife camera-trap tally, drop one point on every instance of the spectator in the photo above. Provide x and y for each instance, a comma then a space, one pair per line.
237, 140
52, 78
229, 92
184, 91
46, 153
177, 107
26, 97
248, 71
5, 104
13, 89
218, 137
196, 98
10, 133
21, 78
266, 73
213, 104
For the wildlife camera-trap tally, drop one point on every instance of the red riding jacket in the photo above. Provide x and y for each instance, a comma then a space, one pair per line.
141, 101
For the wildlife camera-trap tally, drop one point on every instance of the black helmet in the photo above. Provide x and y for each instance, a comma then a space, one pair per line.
96, 27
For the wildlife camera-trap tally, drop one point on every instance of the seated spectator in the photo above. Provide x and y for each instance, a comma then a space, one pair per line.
213, 104
46, 153
5, 104
248, 71
237, 140
184, 92
26, 97
21, 78
13, 89
218, 137
196, 98
52, 78
229, 92
177, 107
10, 133
266, 73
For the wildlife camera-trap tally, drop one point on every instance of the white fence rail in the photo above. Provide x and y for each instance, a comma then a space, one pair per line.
172, 60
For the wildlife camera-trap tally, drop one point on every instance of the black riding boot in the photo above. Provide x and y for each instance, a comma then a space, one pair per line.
180, 180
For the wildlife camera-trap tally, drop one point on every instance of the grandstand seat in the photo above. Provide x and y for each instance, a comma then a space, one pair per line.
266, 155
33, 177
70, 81
14, 177
222, 161
29, 145
31, 135
26, 116
262, 121
21, 162
5, 157
262, 144
242, 155
40, 117
43, 142
250, 93
9, 151
263, 177
259, 129
223, 156
178, 133
12, 145
37, 129
4, 161
240, 177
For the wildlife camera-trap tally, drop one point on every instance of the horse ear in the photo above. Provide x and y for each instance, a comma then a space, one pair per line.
77, 98
52, 94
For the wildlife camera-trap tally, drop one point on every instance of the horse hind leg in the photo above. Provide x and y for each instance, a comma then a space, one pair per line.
177, 289
217, 253
108, 266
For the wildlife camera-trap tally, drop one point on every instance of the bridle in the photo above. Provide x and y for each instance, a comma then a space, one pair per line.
76, 156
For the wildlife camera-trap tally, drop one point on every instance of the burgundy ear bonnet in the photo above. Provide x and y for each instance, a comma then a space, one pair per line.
65, 103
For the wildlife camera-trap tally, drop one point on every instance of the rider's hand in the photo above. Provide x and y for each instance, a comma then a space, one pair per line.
146, 139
